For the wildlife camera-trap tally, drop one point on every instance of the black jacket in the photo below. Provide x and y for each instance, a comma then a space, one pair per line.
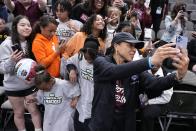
192, 53
106, 72
80, 12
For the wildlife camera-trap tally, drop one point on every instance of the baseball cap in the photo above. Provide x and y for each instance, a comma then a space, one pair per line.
91, 43
127, 37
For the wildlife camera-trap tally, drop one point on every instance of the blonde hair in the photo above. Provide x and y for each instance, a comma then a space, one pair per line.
113, 9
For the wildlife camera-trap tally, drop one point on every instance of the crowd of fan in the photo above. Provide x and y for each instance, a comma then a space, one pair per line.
66, 37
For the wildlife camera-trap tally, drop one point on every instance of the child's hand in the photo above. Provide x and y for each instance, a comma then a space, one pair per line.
60, 48
74, 102
29, 101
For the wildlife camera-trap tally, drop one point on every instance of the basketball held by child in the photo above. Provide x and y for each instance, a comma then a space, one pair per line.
25, 70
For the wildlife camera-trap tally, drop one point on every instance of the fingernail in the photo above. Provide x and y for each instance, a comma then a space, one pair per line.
178, 50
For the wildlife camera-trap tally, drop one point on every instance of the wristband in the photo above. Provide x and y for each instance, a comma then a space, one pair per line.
150, 63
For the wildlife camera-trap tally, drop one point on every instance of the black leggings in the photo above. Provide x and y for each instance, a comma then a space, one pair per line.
79, 126
1, 79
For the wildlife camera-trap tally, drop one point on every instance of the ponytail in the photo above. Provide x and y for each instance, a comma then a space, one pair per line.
41, 75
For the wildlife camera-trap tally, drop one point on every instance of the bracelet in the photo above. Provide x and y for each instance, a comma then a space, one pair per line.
150, 63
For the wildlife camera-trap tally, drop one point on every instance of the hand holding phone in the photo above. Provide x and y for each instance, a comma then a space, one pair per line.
62, 41
16, 55
15, 47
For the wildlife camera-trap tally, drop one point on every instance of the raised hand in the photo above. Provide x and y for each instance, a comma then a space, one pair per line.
181, 62
163, 52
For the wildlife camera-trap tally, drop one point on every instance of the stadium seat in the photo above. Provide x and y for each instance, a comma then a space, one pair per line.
160, 33
181, 106
189, 26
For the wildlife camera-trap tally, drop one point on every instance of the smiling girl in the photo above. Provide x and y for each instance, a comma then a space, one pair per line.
17, 90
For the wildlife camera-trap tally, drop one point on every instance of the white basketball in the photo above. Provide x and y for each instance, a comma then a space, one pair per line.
25, 69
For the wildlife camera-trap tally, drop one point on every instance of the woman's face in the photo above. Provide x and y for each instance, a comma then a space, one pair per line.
99, 4
49, 31
24, 28
99, 23
125, 50
114, 16
61, 13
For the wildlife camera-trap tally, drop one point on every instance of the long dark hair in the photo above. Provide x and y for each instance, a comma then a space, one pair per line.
87, 27
89, 4
110, 51
177, 7
15, 38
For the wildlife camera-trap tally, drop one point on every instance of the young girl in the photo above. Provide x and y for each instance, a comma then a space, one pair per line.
46, 46
83, 61
95, 26
113, 21
66, 27
175, 23
16, 89
56, 95
136, 24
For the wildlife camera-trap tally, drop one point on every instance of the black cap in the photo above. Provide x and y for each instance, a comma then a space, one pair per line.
91, 43
127, 37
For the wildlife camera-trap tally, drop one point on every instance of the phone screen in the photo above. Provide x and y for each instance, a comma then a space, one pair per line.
181, 41
147, 33
62, 41
15, 47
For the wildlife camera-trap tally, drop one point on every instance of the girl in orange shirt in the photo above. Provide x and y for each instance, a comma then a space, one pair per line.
45, 46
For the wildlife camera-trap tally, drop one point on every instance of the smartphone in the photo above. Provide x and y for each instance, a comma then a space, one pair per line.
147, 33
181, 41
15, 47
62, 41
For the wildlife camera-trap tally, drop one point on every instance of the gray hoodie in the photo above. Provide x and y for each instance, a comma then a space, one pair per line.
11, 81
